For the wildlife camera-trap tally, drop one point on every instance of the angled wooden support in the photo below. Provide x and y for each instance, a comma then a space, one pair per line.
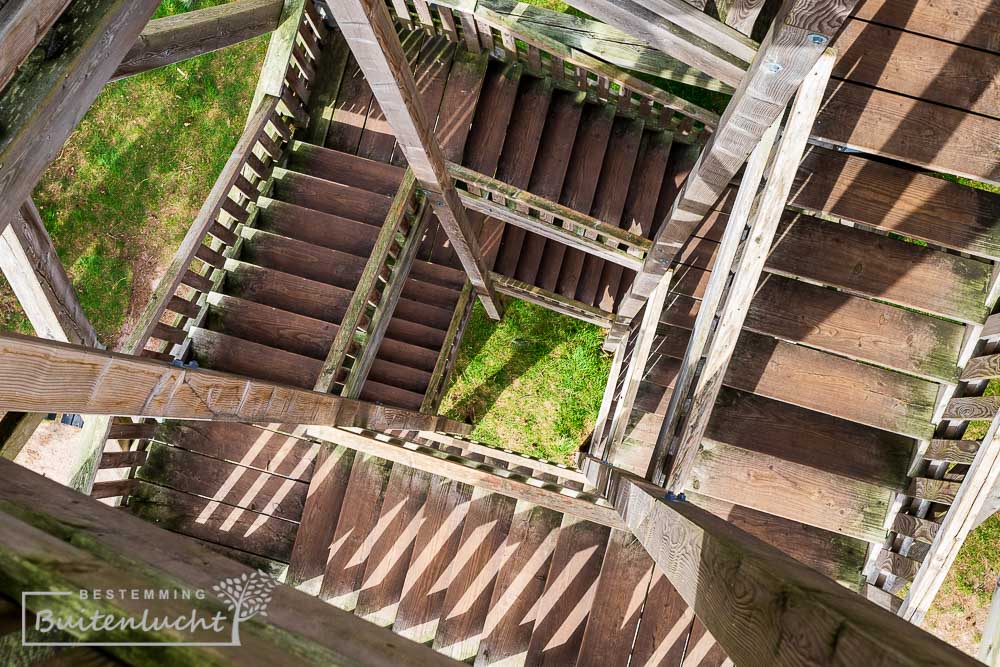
798, 37
372, 37
762, 606
735, 275
57, 540
367, 317
989, 647
47, 97
680, 30
23, 24
960, 519
37, 375
586, 506
172, 39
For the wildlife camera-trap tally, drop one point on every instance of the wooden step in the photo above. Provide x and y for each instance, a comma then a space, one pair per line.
870, 265
431, 293
609, 201
330, 197
438, 274
235, 355
316, 228
819, 381
896, 199
561, 266
518, 158
640, 207
377, 138
269, 326
399, 375
377, 392
345, 168
286, 291
349, 110
549, 171
843, 324
299, 258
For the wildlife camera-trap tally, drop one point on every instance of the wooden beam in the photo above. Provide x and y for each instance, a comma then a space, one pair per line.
989, 647
57, 540
372, 37
680, 31
23, 24
797, 38
48, 96
733, 285
279, 53
557, 302
16, 429
586, 506
961, 518
762, 606
46, 376
32, 267
172, 39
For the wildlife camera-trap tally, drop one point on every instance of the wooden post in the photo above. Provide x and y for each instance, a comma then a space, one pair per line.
798, 37
23, 23
735, 275
172, 39
37, 375
42, 104
372, 37
762, 606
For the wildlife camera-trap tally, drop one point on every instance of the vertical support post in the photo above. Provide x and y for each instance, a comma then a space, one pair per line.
372, 37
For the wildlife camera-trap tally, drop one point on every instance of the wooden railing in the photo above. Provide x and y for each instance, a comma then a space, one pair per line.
546, 218
381, 283
445, 364
480, 28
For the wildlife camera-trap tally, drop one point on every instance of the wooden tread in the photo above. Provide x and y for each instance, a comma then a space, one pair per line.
330, 197
345, 168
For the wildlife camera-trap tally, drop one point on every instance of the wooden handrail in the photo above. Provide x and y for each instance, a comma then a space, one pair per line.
557, 302
39, 375
539, 215
541, 53
448, 355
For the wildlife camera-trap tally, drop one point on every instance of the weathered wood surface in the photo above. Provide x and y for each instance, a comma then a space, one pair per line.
23, 24
172, 39
279, 53
552, 301
68, 378
369, 30
785, 57
740, 588
482, 476
974, 23
44, 101
92, 546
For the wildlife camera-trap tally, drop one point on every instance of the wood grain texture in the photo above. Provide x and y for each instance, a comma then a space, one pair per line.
665, 625
975, 23
701, 555
23, 24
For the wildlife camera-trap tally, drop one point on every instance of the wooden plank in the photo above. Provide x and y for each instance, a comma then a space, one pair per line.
552, 301
520, 584
483, 476
23, 24
619, 601
895, 199
172, 39
982, 368
953, 451
92, 546
43, 102
701, 555
975, 23
925, 134
742, 14
665, 625
989, 647
570, 590
473, 575
279, 53
325, 88
933, 490
71, 379
126, 459
920, 67
915, 527
721, 53
434, 551
369, 30
795, 42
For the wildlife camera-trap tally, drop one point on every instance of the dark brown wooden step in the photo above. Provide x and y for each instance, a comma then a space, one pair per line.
561, 265
377, 138
270, 326
317, 228
844, 324
431, 76
518, 158
376, 392
609, 201
329, 197
549, 171
302, 259
235, 355
350, 109
408, 354
818, 381
345, 168
399, 375
438, 274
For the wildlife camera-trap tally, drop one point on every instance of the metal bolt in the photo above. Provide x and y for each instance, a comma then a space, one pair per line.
818, 39
773, 68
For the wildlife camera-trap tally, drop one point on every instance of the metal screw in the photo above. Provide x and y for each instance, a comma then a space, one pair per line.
818, 39
773, 68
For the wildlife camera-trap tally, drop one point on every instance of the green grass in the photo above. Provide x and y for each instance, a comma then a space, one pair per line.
532, 382
130, 180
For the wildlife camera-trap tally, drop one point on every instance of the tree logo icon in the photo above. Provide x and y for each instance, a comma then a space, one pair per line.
246, 596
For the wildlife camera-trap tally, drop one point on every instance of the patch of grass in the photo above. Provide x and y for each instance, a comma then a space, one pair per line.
532, 382
131, 178
977, 565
